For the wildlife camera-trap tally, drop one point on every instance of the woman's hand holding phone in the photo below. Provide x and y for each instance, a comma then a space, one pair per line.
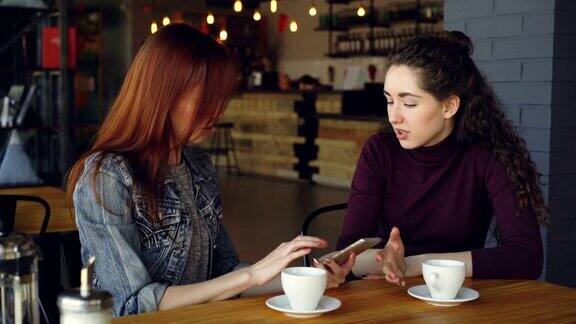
336, 273
340, 263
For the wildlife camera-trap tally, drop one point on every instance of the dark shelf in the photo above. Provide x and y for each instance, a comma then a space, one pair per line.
344, 21
32, 128
333, 28
380, 26
337, 55
24, 9
352, 26
342, 1
41, 69
339, 1
346, 55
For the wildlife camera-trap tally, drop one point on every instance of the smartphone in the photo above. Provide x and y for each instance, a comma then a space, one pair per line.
357, 247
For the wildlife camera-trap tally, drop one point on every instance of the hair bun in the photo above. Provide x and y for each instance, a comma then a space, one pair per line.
459, 40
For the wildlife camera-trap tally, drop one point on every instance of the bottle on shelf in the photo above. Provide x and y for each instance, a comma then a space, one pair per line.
394, 41
369, 44
438, 11
339, 44
354, 44
392, 8
377, 43
360, 41
322, 21
383, 17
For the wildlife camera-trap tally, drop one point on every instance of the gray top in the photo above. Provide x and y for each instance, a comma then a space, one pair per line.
196, 269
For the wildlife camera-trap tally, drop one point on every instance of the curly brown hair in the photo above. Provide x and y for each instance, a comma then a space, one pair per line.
445, 67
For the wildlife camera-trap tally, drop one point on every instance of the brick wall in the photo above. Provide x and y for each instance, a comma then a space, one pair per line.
527, 50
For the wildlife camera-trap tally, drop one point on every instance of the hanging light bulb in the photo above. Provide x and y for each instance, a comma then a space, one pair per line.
361, 11
153, 27
210, 18
293, 26
273, 6
237, 5
223, 35
312, 10
257, 16
165, 21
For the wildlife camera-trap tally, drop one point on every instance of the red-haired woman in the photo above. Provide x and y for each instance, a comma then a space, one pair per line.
146, 202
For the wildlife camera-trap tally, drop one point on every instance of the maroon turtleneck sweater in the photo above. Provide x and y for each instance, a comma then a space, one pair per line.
442, 198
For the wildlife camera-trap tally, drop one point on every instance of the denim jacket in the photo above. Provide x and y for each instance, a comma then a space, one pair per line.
136, 259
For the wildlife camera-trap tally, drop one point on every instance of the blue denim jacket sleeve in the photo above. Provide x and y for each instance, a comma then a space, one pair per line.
109, 233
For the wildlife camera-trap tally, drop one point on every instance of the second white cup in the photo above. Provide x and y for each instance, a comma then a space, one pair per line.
444, 278
304, 287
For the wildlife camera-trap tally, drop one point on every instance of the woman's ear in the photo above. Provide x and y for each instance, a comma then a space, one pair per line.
450, 106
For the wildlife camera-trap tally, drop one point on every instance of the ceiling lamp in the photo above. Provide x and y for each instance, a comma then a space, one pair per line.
210, 18
257, 16
237, 5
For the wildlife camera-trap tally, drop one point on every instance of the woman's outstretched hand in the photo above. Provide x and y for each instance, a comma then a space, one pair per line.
271, 265
392, 258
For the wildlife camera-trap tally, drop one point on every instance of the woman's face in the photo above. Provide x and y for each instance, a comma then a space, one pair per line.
418, 118
182, 116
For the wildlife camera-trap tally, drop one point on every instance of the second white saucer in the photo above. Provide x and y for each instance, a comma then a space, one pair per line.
423, 293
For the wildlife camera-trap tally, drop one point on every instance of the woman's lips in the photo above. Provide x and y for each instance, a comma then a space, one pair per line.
401, 134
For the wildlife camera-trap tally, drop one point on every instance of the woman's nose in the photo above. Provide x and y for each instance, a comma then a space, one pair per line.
394, 115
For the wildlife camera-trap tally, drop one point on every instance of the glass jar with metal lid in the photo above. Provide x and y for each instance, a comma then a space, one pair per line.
18, 276
85, 304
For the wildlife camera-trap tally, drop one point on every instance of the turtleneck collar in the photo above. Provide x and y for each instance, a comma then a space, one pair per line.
436, 153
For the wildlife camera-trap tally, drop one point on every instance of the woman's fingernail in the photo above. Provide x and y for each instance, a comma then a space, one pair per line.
315, 261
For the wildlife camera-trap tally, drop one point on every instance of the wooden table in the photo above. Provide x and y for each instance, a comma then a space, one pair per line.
500, 301
29, 215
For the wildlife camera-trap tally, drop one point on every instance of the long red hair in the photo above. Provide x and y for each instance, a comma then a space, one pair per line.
171, 63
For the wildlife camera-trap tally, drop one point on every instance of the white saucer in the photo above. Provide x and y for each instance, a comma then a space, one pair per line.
421, 292
326, 304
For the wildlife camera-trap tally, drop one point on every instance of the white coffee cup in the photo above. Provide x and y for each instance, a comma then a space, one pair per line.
444, 278
304, 287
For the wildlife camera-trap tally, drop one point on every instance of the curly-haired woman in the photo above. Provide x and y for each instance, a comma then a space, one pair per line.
431, 188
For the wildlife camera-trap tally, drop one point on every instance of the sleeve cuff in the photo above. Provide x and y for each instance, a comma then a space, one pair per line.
149, 297
482, 263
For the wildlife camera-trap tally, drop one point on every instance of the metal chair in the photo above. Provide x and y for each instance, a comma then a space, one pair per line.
8, 208
312, 216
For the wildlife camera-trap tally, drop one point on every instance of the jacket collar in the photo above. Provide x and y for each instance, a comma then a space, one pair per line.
193, 157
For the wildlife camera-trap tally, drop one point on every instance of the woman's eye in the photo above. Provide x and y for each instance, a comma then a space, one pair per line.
390, 102
410, 105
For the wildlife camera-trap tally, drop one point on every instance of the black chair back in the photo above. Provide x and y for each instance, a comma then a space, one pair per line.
313, 215
8, 212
